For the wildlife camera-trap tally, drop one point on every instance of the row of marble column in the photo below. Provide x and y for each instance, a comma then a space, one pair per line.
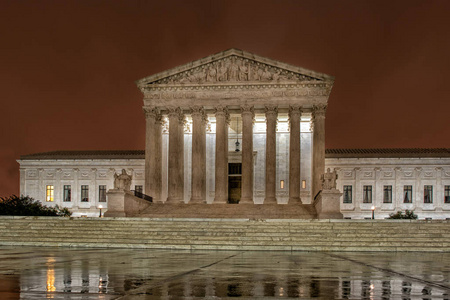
153, 158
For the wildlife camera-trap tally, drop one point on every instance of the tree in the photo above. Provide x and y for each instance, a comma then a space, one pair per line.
27, 206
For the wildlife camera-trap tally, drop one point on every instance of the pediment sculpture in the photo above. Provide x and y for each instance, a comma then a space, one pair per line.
234, 69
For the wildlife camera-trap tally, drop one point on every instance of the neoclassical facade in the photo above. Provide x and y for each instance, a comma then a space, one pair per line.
242, 129
215, 90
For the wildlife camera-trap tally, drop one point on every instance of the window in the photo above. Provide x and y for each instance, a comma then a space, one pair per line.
347, 194
84, 193
303, 184
281, 184
447, 194
367, 194
67, 193
102, 193
407, 194
428, 194
49, 192
138, 188
235, 168
387, 194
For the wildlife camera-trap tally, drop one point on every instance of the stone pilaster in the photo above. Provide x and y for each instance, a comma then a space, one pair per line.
198, 187
175, 183
248, 117
294, 154
271, 154
318, 147
221, 172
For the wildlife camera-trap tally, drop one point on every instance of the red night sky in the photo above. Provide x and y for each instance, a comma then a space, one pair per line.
68, 67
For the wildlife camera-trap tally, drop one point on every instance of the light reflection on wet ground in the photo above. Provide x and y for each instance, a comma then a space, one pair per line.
64, 273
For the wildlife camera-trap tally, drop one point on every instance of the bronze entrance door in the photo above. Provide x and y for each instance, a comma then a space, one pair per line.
234, 182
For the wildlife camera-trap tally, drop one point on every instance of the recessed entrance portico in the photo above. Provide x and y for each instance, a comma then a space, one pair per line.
193, 104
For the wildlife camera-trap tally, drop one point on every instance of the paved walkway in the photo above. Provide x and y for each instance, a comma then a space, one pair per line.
67, 273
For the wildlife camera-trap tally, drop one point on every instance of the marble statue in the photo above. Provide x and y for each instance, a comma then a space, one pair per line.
122, 181
329, 180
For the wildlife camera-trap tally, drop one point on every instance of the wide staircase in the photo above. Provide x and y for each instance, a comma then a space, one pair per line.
228, 234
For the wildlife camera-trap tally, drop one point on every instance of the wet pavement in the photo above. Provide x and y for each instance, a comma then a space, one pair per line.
67, 273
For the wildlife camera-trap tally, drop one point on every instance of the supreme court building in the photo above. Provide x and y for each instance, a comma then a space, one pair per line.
238, 128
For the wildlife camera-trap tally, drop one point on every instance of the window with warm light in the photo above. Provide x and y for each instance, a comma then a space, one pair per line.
428, 194
303, 184
387, 194
67, 197
281, 184
367, 194
84, 193
102, 193
347, 194
49, 192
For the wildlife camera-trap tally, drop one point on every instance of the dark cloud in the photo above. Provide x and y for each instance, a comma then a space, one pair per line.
68, 67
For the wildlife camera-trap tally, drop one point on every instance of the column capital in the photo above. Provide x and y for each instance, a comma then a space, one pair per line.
271, 111
173, 111
197, 111
222, 111
248, 110
318, 111
294, 111
150, 112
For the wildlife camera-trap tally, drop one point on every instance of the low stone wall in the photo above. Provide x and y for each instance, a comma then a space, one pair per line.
123, 203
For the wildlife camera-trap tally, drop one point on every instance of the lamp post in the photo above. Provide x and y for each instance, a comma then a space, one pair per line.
100, 207
373, 212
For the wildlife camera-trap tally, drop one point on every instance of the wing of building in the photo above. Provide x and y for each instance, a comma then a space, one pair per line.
235, 127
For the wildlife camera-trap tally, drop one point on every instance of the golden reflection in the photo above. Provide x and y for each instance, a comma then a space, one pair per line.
50, 275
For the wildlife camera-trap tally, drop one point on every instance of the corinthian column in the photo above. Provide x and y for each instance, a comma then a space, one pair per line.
153, 153
198, 188
318, 146
294, 154
271, 154
180, 153
176, 174
221, 172
248, 116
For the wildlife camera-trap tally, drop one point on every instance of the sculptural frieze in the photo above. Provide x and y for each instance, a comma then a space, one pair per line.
234, 69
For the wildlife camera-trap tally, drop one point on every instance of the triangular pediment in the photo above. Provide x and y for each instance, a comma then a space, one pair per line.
233, 66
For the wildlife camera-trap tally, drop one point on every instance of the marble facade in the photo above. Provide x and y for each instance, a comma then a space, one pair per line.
416, 169
197, 116
186, 101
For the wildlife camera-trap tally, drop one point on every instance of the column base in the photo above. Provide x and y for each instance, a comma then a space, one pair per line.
220, 201
270, 200
197, 200
173, 200
246, 201
295, 200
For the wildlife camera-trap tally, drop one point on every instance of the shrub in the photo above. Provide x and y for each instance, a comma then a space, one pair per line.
408, 214
27, 206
